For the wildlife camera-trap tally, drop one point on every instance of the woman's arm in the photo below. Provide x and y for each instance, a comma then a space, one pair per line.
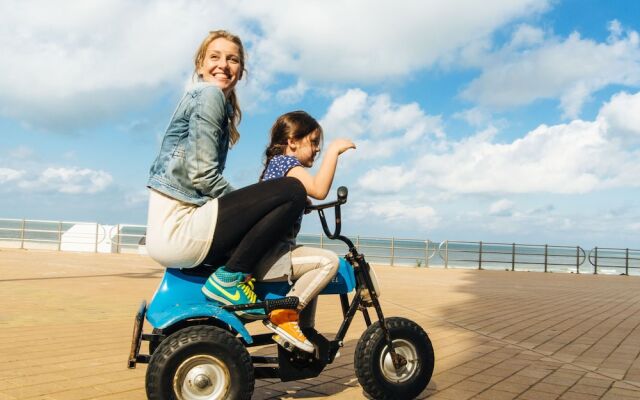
318, 186
205, 132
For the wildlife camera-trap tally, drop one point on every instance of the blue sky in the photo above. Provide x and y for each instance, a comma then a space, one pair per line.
509, 121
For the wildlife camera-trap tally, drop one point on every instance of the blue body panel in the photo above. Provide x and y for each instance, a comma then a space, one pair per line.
179, 297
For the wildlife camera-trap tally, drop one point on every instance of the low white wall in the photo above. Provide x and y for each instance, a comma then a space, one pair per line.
89, 238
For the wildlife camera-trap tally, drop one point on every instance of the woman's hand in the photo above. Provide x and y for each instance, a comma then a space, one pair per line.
341, 145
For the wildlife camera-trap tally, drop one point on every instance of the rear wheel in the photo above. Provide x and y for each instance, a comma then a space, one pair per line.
374, 365
200, 362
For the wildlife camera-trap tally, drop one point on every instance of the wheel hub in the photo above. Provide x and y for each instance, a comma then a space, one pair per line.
202, 382
408, 365
201, 377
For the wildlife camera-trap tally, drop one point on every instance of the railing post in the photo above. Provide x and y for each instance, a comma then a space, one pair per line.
321, 242
595, 263
95, 249
480, 256
392, 251
626, 262
446, 254
513, 256
22, 234
118, 236
426, 254
358, 242
546, 254
577, 259
59, 235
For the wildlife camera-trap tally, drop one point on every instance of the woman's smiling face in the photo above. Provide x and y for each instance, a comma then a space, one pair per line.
222, 65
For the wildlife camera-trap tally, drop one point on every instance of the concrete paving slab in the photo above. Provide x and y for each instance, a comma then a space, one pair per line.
66, 320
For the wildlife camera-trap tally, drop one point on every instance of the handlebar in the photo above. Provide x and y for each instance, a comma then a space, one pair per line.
343, 192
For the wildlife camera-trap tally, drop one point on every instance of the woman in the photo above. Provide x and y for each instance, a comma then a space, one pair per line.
195, 215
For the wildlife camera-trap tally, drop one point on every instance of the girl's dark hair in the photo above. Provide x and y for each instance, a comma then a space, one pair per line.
294, 125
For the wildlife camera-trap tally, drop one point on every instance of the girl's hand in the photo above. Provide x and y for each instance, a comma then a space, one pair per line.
341, 145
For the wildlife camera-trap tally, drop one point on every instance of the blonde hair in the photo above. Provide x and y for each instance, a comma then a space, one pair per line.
234, 121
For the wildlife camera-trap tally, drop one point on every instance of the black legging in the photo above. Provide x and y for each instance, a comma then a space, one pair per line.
252, 219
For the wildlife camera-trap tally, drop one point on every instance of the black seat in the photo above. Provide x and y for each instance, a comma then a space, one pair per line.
200, 270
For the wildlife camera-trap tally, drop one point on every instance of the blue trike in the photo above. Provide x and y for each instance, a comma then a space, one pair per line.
198, 348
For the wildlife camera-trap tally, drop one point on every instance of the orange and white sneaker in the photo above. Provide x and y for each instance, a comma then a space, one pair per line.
285, 324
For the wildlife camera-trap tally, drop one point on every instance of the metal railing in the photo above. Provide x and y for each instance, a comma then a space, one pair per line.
512, 256
128, 238
392, 251
71, 236
614, 260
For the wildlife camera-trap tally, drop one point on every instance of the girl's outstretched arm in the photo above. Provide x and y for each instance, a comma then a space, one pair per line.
318, 186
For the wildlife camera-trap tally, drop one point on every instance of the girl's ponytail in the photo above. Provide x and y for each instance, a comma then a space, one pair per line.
273, 150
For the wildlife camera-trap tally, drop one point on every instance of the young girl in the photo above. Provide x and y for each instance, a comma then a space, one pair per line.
295, 142
195, 216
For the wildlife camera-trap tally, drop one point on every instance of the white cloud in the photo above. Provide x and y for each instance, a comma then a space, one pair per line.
21, 153
84, 61
578, 157
526, 35
389, 40
9, 175
68, 180
387, 179
474, 116
557, 159
570, 69
136, 198
76, 63
397, 212
379, 127
345, 116
293, 93
622, 116
502, 207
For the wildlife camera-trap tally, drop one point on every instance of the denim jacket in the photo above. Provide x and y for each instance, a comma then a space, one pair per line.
194, 149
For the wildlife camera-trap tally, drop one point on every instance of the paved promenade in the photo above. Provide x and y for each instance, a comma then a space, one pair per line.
66, 320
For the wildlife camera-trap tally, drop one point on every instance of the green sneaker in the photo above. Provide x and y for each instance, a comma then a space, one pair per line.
233, 288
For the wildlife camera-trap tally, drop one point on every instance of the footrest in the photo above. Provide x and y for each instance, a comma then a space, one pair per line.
268, 305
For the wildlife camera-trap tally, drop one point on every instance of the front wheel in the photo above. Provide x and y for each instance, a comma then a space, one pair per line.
374, 366
200, 362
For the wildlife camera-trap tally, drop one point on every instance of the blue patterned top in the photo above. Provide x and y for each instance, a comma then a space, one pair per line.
279, 166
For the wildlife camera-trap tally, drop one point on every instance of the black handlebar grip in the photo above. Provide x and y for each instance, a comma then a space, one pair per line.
286, 302
342, 194
268, 305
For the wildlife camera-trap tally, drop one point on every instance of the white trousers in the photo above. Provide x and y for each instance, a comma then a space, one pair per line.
312, 270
